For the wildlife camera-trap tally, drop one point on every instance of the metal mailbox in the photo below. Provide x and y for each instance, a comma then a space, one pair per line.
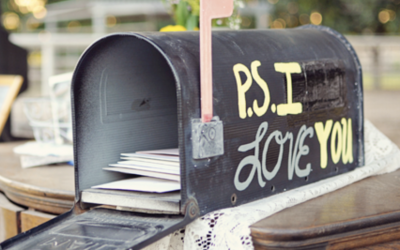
288, 111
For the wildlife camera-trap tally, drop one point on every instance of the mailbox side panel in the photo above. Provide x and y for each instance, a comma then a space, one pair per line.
291, 103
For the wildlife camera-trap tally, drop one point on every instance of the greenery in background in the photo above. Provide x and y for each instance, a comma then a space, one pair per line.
345, 16
186, 14
349, 17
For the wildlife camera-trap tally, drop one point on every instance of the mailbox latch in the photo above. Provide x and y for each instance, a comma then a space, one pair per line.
207, 138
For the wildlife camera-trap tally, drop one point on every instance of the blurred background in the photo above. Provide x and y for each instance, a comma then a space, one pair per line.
42, 40
56, 32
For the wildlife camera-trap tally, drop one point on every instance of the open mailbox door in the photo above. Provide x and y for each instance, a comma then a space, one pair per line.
290, 103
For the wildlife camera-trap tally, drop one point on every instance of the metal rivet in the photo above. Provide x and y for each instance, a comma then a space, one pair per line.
233, 199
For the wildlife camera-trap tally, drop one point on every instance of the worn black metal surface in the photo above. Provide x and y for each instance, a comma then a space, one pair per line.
290, 101
329, 87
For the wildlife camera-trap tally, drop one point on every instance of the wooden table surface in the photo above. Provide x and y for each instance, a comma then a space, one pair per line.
45, 188
362, 214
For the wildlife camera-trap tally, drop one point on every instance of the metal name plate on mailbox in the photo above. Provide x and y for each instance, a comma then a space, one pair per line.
290, 103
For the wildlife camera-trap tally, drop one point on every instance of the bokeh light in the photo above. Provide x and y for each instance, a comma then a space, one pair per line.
304, 19
35, 59
36, 7
292, 21
111, 21
10, 20
74, 26
293, 8
29, 5
278, 24
32, 23
348, 17
392, 15
316, 18
386, 15
246, 22
39, 12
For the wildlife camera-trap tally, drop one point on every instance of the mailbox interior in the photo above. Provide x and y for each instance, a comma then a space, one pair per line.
124, 100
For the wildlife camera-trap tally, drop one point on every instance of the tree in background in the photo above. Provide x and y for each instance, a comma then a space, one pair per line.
349, 17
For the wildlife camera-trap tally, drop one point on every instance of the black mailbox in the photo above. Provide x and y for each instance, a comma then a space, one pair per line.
289, 105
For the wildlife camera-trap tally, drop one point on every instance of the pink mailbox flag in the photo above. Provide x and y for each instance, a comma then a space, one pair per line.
209, 9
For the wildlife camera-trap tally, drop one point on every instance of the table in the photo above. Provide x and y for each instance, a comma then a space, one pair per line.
364, 214
45, 191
